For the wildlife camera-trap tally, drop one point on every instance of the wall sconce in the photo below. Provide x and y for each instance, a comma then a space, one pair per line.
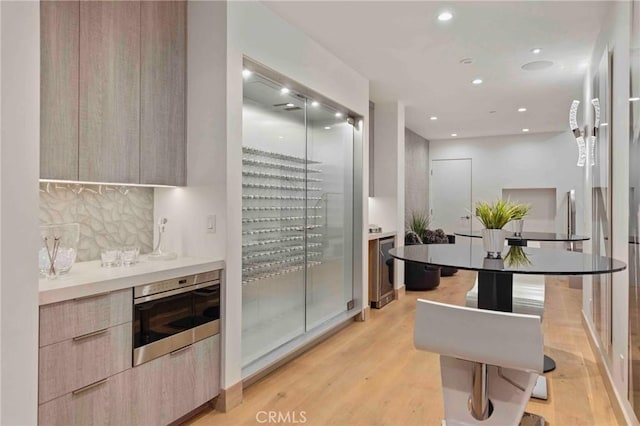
577, 133
596, 126
573, 124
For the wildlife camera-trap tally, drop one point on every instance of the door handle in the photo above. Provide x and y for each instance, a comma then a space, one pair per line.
465, 217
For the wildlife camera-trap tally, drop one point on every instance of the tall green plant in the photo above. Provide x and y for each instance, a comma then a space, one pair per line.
419, 223
496, 215
520, 211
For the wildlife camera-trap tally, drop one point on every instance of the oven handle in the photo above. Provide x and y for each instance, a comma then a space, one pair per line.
157, 296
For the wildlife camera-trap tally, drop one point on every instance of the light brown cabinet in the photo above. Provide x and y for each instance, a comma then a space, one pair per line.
163, 90
115, 112
103, 403
59, 64
175, 384
86, 374
78, 317
109, 91
83, 360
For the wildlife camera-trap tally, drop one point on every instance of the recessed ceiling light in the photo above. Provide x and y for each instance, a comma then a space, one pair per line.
314, 104
466, 61
537, 65
536, 50
290, 104
525, 130
454, 134
433, 118
634, 99
284, 90
522, 109
477, 81
246, 73
338, 114
445, 16
280, 137
327, 128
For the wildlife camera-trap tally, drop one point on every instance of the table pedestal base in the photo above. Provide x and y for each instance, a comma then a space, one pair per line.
549, 364
495, 291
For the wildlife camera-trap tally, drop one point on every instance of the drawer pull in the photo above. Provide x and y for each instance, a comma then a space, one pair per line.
94, 333
91, 386
177, 351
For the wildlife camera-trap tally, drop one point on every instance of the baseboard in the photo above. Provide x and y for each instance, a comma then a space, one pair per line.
617, 402
229, 398
399, 292
364, 314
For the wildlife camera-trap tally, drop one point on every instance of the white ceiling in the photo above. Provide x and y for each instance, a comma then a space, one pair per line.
410, 56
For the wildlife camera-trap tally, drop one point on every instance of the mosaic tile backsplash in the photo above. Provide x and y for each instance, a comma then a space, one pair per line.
109, 216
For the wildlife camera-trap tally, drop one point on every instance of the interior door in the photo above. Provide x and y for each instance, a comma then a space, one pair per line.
451, 195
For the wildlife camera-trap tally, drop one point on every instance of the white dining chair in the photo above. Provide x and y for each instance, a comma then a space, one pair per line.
488, 369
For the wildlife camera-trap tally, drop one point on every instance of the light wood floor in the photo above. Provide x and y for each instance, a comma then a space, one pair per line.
370, 374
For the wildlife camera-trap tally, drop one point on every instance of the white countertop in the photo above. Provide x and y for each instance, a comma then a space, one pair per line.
89, 278
377, 235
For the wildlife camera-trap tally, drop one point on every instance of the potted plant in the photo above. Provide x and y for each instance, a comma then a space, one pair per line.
494, 217
419, 276
519, 212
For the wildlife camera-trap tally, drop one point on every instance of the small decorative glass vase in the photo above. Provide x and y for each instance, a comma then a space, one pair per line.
59, 249
493, 242
518, 226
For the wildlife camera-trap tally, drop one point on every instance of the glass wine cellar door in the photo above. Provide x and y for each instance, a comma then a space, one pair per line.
297, 215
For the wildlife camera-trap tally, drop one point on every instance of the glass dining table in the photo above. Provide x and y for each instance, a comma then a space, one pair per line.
495, 276
523, 238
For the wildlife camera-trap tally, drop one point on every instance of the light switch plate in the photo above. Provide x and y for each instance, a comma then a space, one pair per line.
211, 223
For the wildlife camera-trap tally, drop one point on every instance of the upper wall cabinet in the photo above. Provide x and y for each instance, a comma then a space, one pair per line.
113, 85
59, 63
109, 91
163, 89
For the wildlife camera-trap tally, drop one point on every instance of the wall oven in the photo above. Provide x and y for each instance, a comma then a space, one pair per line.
171, 314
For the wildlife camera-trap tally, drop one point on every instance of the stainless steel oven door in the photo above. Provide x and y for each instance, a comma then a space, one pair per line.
168, 321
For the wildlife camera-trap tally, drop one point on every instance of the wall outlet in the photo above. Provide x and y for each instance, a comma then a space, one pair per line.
211, 224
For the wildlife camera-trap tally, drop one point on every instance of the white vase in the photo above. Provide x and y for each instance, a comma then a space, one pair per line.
518, 226
493, 242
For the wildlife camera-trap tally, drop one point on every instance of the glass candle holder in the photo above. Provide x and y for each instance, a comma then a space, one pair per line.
59, 248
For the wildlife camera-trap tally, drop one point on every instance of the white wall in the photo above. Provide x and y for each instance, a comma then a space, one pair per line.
539, 160
386, 209
615, 35
19, 239
256, 32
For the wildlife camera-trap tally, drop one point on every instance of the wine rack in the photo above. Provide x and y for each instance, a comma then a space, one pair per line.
282, 222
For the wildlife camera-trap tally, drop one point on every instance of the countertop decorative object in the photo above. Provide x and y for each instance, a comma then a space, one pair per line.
59, 248
88, 278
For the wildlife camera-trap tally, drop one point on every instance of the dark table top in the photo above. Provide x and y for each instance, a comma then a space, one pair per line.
530, 236
539, 261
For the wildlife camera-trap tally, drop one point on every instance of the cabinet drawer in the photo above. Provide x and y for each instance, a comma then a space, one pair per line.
77, 317
105, 402
78, 362
171, 386
192, 378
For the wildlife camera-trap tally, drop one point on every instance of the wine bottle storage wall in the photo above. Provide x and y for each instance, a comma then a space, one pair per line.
282, 217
